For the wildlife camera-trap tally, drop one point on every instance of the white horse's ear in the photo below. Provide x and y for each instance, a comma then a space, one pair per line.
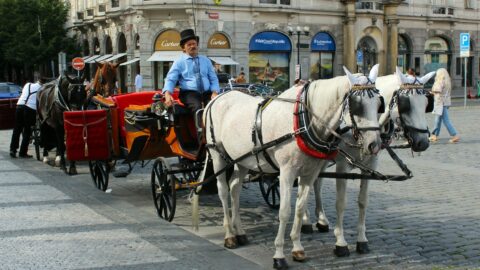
427, 77
350, 77
372, 76
400, 76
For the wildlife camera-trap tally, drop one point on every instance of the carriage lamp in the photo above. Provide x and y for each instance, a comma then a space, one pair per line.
298, 33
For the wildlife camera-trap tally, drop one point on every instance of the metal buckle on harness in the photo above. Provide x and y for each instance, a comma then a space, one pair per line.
300, 131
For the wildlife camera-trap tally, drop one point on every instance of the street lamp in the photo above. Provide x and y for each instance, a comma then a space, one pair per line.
298, 33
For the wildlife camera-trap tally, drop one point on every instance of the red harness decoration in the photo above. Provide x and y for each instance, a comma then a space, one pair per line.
301, 142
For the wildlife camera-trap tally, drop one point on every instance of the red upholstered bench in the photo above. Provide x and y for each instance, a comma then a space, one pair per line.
123, 101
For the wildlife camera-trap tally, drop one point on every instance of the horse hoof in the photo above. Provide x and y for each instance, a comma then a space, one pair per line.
341, 251
362, 248
242, 240
299, 256
280, 264
322, 228
73, 171
307, 229
230, 243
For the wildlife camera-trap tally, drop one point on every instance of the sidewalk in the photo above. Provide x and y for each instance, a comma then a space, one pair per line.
52, 221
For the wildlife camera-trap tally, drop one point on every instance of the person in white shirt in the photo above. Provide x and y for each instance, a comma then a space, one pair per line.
138, 82
25, 117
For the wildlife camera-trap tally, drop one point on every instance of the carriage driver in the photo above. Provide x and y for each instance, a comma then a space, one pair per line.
195, 75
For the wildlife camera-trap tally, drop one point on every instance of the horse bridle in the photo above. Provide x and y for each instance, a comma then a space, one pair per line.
406, 90
353, 102
102, 82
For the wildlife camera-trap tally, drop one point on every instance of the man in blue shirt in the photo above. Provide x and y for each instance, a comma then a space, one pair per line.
194, 73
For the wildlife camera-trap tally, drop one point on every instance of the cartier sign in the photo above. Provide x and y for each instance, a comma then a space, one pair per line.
168, 41
218, 41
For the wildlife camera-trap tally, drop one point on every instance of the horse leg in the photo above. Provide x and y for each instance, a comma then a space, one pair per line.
73, 168
362, 242
286, 178
235, 189
304, 185
322, 220
230, 239
341, 246
45, 155
61, 148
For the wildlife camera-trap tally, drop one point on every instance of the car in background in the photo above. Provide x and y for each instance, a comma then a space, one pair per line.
252, 89
9, 90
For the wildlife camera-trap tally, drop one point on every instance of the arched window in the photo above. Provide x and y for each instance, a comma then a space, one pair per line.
437, 55
404, 54
366, 54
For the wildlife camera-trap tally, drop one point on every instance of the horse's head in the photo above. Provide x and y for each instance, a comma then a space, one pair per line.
408, 106
73, 91
104, 81
362, 104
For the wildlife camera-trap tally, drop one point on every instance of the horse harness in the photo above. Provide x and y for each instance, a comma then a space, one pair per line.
305, 136
401, 99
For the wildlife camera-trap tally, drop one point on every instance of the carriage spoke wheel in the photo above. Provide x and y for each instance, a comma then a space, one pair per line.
163, 189
269, 186
99, 171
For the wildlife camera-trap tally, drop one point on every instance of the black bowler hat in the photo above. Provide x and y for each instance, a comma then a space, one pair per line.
186, 35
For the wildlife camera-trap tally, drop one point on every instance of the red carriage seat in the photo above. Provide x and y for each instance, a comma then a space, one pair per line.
123, 101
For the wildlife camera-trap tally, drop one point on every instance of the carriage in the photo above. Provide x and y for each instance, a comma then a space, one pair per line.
137, 127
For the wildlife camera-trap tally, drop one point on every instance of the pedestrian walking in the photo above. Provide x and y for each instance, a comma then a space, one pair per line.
25, 117
241, 78
442, 88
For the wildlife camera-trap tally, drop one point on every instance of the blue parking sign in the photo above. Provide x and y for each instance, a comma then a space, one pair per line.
464, 44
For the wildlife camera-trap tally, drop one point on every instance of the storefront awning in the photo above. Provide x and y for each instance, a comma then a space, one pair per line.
103, 57
115, 57
85, 57
222, 60
164, 56
90, 59
134, 60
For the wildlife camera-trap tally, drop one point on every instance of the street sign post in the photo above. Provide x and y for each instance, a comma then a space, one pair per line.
465, 53
78, 63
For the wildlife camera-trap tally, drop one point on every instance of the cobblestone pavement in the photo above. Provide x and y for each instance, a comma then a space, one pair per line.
431, 221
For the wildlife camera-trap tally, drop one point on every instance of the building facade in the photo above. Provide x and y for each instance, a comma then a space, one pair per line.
276, 41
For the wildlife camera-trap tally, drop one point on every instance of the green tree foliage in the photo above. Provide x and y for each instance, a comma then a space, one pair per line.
32, 33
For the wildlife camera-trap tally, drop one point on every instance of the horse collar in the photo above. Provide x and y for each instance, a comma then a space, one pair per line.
307, 141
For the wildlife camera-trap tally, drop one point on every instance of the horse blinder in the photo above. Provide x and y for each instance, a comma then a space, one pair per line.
355, 105
403, 104
381, 108
430, 103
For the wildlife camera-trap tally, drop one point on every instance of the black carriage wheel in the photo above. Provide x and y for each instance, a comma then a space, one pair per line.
163, 190
269, 187
99, 171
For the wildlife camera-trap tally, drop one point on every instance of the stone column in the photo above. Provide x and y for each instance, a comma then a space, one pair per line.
349, 36
392, 49
391, 23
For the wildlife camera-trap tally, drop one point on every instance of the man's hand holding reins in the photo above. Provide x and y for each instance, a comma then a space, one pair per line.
168, 99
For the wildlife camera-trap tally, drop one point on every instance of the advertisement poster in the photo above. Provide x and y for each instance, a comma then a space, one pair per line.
270, 69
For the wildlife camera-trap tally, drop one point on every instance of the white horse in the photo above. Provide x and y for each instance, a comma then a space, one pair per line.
231, 117
406, 104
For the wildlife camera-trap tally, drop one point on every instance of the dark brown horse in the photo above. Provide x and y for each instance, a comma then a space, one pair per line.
104, 81
56, 97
